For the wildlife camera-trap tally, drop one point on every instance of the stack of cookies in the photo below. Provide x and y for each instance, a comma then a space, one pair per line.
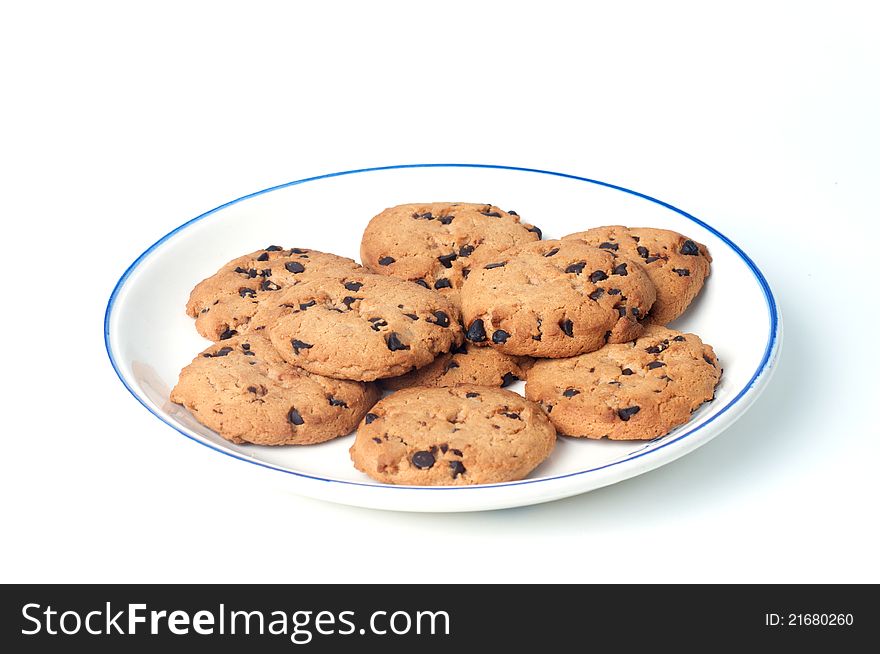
453, 302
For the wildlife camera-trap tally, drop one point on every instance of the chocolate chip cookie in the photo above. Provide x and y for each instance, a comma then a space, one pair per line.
627, 391
677, 265
555, 299
243, 389
223, 303
452, 437
359, 325
482, 366
433, 244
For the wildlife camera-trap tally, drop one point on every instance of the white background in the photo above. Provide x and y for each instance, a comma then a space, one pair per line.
119, 123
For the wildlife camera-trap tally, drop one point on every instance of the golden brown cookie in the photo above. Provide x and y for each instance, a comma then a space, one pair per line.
359, 325
243, 389
224, 303
433, 243
482, 366
627, 391
677, 265
554, 299
452, 437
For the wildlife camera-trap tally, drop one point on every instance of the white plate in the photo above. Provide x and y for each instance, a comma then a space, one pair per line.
149, 338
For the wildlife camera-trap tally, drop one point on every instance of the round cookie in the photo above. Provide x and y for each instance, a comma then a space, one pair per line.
433, 244
555, 299
243, 389
627, 391
360, 326
452, 437
223, 303
481, 366
676, 265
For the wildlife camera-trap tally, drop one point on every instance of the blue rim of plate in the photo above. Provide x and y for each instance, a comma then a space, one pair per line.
766, 359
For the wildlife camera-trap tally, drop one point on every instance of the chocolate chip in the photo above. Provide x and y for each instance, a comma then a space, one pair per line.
619, 269
442, 283
682, 272
274, 248
300, 345
606, 336
445, 220
654, 349
349, 300
635, 312
222, 352
252, 389
535, 230
679, 338
508, 379
567, 327
423, 460
249, 353
651, 259
411, 316
635, 238
511, 415
297, 251
576, 268
267, 285
643, 251
595, 295
294, 417
512, 212
465, 250
456, 452
450, 365
627, 413
613, 291
460, 349
550, 253
655, 364
476, 332
353, 286
500, 336
609, 246
245, 346
708, 360
250, 272
370, 417
571, 392
422, 282
465, 272
626, 371
385, 261
305, 305
597, 276
376, 439
689, 248
444, 447
447, 259
263, 257
472, 395
498, 264
457, 468
491, 214
394, 343
442, 319
377, 323
229, 333
246, 292
294, 267
334, 402
266, 272
621, 310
